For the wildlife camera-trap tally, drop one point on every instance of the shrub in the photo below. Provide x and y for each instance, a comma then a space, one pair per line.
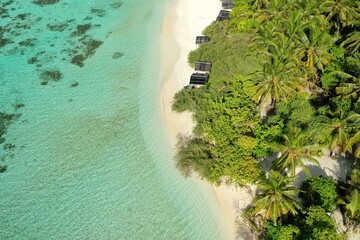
316, 224
319, 191
282, 232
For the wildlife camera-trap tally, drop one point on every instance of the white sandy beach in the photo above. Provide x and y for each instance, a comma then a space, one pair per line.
185, 20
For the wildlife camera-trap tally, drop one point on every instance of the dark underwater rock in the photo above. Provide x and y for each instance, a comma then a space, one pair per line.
5, 120
30, 42
45, 2
98, 12
3, 169
50, 75
78, 60
89, 49
17, 106
81, 30
57, 27
75, 84
5, 41
117, 55
117, 4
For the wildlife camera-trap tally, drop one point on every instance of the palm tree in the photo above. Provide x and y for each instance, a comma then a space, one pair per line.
269, 10
310, 8
277, 197
274, 86
353, 144
294, 150
315, 45
352, 42
278, 6
341, 12
341, 126
349, 90
339, 134
259, 4
267, 33
280, 77
353, 207
350, 86
295, 25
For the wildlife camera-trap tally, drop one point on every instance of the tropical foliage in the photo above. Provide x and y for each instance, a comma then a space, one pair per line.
311, 223
277, 197
282, 232
285, 82
353, 207
294, 150
314, 223
319, 191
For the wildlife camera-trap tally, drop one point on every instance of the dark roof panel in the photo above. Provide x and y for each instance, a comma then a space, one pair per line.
202, 39
203, 66
199, 78
223, 15
227, 4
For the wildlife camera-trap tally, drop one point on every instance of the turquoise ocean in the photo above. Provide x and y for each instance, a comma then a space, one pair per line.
87, 155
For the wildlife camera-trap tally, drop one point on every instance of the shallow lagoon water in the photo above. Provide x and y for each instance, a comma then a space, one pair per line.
90, 157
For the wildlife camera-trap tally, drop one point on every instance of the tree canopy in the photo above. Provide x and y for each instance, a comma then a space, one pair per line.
285, 82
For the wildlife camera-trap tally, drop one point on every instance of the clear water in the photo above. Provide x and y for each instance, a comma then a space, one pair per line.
91, 159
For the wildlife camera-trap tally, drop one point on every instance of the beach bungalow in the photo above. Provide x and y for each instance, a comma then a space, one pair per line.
203, 66
202, 39
223, 15
199, 78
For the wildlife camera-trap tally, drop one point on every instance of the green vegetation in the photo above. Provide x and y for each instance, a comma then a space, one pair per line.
319, 191
350, 198
285, 81
312, 223
353, 207
277, 197
287, 232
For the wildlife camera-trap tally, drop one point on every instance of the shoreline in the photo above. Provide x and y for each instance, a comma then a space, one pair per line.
184, 20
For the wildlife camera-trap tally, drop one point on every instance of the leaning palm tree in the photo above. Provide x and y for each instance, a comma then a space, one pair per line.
277, 197
295, 149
